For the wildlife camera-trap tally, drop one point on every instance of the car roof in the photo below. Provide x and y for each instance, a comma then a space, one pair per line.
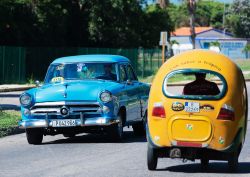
91, 58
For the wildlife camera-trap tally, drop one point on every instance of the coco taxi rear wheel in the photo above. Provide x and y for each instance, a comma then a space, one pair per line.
152, 158
233, 162
204, 163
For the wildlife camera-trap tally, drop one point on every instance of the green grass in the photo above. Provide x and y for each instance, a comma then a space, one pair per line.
243, 64
247, 76
8, 121
181, 78
148, 79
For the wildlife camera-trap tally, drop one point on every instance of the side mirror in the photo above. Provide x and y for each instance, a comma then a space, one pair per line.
37, 83
129, 82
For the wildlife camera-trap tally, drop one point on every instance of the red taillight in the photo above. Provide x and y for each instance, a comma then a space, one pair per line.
226, 113
158, 111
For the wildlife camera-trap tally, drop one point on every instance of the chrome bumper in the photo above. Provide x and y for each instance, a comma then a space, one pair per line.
45, 123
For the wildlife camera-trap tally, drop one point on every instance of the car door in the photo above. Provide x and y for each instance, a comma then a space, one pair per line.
125, 94
133, 88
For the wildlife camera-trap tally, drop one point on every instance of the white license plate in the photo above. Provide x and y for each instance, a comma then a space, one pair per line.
192, 107
64, 123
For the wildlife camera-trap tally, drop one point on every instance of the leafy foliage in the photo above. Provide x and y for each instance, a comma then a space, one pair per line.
214, 43
208, 13
17, 22
247, 48
95, 23
155, 21
238, 20
121, 24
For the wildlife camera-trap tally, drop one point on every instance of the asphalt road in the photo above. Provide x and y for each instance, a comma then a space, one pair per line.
10, 100
93, 155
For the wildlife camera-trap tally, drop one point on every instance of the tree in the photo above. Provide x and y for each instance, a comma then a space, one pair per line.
178, 14
17, 23
163, 3
156, 20
191, 9
119, 26
238, 20
95, 23
62, 22
247, 50
208, 13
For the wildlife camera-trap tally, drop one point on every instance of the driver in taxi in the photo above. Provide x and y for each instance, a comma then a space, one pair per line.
201, 86
108, 72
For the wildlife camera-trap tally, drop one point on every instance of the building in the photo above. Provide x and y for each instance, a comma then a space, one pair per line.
206, 37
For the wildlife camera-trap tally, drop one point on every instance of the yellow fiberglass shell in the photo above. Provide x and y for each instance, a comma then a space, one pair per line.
203, 127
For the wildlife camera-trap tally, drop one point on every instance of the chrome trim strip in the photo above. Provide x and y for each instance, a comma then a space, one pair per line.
45, 110
52, 110
57, 111
33, 124
45, 123
65, 103
83, 109
59, 114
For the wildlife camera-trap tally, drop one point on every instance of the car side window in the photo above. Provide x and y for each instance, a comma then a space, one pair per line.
131, 74
123, 75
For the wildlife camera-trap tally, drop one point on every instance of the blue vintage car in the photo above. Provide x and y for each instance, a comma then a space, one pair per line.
86, 93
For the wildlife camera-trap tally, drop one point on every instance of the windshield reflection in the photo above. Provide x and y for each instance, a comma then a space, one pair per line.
81, 71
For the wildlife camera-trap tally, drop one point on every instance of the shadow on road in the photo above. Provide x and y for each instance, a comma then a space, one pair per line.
9, 95
214, 167
129, 137
9, 107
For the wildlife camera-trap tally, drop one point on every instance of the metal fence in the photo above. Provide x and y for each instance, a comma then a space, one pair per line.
148, 62
12, 64
18, 64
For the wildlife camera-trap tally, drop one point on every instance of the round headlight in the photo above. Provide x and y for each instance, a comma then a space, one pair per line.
105, 96
25, 99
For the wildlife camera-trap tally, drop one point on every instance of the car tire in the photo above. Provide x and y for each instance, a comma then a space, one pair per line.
204, 163
152, 158
116, 131
233, 161
139, 129
34, 135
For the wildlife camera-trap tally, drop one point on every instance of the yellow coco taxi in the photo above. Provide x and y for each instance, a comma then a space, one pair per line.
197, 109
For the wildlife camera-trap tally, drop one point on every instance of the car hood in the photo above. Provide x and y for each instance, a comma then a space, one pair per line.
73, 91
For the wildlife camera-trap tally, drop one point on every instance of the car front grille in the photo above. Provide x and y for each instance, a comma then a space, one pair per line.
73, 108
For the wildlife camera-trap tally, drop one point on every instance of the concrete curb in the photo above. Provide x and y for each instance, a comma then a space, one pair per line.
15, 89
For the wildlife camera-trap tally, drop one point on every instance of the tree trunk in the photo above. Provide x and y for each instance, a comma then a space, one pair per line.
192, 29
163, 3
191, 9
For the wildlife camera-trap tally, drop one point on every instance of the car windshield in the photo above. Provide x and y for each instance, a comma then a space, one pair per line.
81, 71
